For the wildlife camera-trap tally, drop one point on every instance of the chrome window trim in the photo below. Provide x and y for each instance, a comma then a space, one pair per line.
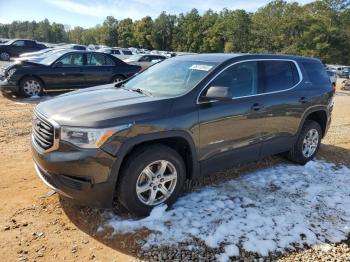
252, 60
56, 133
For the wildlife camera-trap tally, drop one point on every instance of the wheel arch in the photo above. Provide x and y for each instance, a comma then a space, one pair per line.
118, 74
318, 114
31, 75
180, 141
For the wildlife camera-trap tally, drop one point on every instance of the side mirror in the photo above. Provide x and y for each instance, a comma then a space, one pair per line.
221, 93
58, 64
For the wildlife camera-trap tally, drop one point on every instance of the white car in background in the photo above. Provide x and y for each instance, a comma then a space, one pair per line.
121, 53
144, 60
332, 76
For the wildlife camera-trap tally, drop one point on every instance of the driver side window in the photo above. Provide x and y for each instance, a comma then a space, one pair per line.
241, 78
72, 60
19, 43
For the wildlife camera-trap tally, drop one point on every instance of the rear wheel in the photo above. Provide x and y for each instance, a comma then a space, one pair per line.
118, 78
150, 177
31, 86
308, 143
4, 56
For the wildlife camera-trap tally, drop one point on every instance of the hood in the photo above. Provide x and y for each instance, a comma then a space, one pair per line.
27, 63
103, 106
29, 59
18, 64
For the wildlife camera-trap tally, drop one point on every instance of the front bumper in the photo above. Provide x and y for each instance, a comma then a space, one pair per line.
8, 87
85, 176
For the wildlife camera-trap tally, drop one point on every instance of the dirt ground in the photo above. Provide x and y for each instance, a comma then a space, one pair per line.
37, 226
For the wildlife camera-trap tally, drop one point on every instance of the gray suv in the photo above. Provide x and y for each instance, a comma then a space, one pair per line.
137, 141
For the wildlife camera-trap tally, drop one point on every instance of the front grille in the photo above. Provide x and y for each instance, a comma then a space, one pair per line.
43, 132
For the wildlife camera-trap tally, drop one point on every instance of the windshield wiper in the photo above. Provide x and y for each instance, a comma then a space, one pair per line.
142, 91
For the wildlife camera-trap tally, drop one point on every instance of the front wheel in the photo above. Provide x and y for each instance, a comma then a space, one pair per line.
307, 144
31, 86
150, 177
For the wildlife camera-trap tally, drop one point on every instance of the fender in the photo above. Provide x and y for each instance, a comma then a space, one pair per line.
130, 143
309, 111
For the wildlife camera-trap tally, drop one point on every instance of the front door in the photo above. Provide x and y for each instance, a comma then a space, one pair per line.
231, 131
67, 72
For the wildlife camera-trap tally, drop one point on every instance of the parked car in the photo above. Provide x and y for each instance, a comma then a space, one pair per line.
332, 76
181, 119
343, 71
121, 53
144, 61
18, 46
74, 46
65, 69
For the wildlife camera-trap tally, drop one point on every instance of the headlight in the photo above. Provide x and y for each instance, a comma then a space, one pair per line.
89, 137
11, 72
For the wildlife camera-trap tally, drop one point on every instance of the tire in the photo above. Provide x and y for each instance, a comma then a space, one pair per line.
4, 56
117, 78
31, 86
298, 153
133, 176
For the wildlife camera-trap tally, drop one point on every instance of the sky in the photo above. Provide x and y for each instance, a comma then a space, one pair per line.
88, 13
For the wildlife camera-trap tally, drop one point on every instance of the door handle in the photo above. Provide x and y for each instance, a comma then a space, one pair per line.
303, 100
257, 107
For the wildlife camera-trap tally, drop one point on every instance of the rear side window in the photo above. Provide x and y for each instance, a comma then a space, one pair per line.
95, 59
278, 75
316, 73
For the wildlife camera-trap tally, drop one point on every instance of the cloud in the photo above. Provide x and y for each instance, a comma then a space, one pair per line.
137, 9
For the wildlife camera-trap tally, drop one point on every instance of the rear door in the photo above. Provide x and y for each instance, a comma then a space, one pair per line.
284, 102
231, 131
98, 69
31, 46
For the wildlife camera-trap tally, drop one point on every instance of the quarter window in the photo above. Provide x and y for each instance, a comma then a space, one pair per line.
278, 75
72, 60
316, 73
242, 78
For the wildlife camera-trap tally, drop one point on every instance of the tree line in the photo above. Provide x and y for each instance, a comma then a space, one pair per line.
320, 29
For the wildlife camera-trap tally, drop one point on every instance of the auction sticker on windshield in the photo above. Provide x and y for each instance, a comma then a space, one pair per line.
201, 67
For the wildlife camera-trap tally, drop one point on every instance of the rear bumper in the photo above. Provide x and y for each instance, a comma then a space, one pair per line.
83, 176
8, 86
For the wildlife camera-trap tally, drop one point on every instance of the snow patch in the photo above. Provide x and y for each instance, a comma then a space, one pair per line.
265, 211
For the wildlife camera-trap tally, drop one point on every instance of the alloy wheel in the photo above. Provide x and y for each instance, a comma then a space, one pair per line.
310, 143
117, 80
31, 87
156, 182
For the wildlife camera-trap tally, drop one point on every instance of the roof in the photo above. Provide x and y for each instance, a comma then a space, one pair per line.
222, 57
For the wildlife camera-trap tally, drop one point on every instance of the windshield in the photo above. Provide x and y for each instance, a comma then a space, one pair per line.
172, 77
52, 58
